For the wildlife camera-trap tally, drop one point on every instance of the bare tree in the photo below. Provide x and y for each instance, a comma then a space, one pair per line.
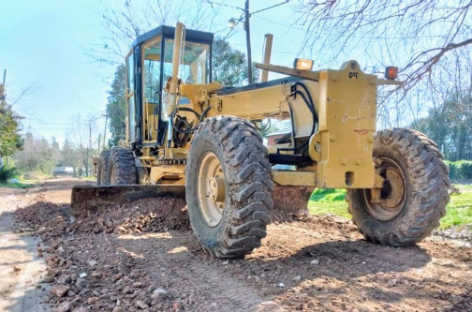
37, 155
415, 34
80, 136
124, 23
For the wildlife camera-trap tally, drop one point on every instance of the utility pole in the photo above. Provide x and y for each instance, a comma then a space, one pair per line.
247, 15
233, 22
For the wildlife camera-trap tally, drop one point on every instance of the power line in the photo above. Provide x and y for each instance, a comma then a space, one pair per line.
270, 7
242, 9
247, 14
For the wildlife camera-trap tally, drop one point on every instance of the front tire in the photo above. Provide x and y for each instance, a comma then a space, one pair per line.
229, 184
121, 167
414, 196
102, 174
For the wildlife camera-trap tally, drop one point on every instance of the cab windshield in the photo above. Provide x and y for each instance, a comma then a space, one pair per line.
194, 67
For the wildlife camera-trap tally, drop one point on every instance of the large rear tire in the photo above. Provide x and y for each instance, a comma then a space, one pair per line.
413, 198
102, 174
121, 167
229, 183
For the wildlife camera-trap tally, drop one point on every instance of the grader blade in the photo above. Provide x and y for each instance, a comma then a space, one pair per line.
87, 197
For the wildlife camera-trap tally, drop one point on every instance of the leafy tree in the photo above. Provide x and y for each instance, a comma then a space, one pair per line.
116, 107
69, 155
55, 151
230, 65
10, 139
45, 154
6, 174
36, 155
39, 155
450, 126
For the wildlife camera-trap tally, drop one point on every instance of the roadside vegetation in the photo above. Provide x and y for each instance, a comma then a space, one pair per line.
459, 209
18, 185
9, 178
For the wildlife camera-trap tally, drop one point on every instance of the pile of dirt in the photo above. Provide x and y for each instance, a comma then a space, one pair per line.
89, 273
145, 215
87, 270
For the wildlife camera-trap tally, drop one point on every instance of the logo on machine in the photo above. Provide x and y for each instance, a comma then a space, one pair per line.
353, 75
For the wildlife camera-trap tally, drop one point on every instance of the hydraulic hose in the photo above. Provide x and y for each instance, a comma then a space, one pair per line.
188, 109
308, 100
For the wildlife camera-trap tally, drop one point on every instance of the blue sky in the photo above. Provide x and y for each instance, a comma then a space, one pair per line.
44, 44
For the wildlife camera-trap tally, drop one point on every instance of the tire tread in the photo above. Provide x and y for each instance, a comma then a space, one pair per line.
249, 174
430, 190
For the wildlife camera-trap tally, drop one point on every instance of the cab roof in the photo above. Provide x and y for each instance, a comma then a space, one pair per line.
168, 32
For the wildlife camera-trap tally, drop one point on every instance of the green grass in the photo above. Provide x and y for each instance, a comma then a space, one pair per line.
459, 209
17, 185
324, 201
90, 178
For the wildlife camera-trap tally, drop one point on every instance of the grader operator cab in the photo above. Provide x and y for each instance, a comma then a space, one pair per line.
188, 136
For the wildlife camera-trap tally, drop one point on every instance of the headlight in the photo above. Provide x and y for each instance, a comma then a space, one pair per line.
303, 64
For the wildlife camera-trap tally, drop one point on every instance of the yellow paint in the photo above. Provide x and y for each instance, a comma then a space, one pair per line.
167, 174
347, 115
294, 178
341, 149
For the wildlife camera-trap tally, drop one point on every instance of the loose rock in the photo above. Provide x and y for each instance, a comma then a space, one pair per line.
64, 307
59, 290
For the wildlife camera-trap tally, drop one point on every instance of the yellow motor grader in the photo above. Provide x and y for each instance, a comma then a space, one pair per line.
189, 136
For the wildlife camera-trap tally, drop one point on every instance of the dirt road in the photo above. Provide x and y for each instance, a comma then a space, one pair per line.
20, 268
111, 262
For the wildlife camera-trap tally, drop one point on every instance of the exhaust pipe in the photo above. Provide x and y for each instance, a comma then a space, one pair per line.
267, 54
178, 43
174, 81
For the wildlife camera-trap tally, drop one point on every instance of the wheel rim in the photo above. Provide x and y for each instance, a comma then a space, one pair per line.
211, 189
392, 195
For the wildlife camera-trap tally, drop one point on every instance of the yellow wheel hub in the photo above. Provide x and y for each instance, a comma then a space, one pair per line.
211, 189
392, 195
217, 189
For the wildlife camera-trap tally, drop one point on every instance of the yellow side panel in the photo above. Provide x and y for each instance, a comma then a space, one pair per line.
347, 114
268, 102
